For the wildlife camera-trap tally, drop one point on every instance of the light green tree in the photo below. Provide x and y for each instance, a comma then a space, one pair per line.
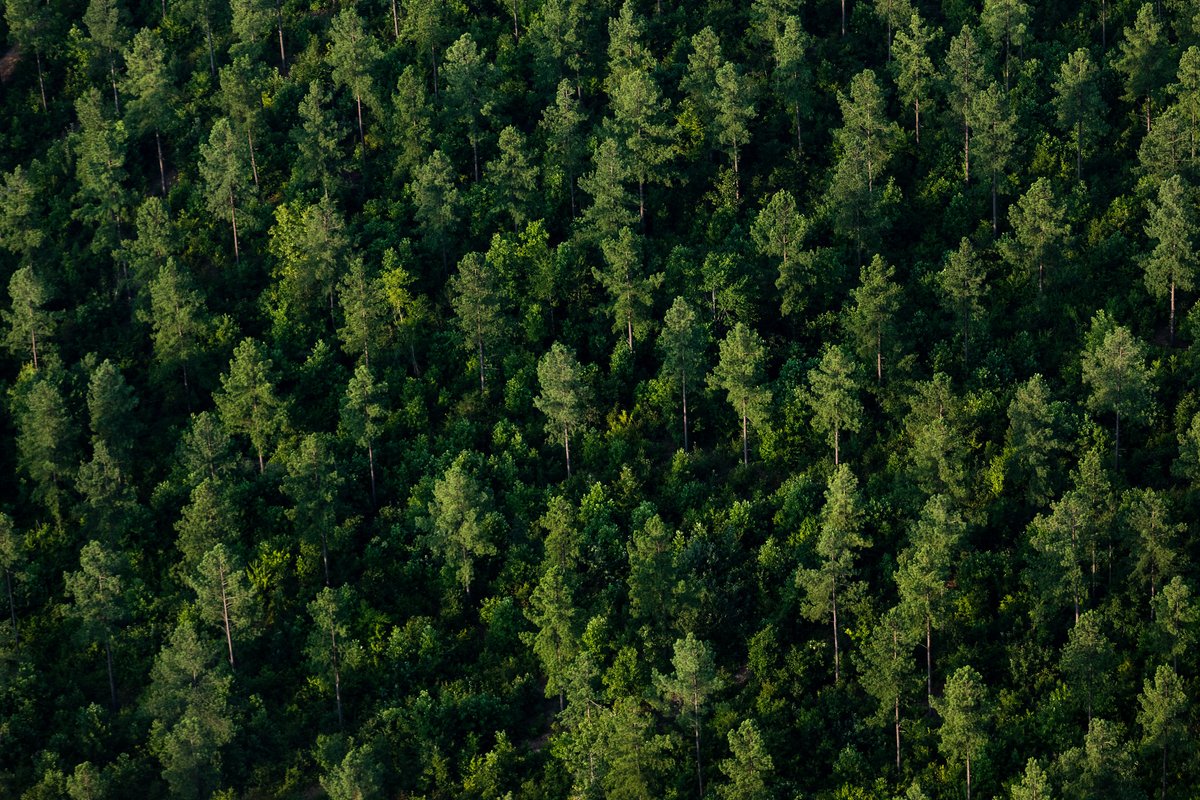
462, 524
740, 373
362, 413
247, 402
841, 536
834, 386
1114, 369
749, 765
682, 343
223, 595
872, 318
690, 687
564, 395
352, 55
962, 708
1078, 105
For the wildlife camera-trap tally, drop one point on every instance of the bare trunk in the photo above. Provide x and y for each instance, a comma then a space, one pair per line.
325, 554
836, 449
897, 706
567, 449
966, 151
225, 618
968, 777
236, 254
475, 155
799, 141
279, 27
878, 355
482, 382
337, 674
212, 61
33, 345
162, 172
843, 17
12, 610
642, 201
1117, 443
395, 21
745, 446
112, 681
1172, 325
629, 331
1079, 148
929, 660
371, 469
917, 114
41, 83
363, 139
837, 655
253, 160
994, 228
699, 772
685, 425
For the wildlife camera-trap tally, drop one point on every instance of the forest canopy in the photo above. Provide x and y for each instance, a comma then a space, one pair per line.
599, 399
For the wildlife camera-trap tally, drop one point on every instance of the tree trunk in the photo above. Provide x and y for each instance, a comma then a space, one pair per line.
337, 673
371, 469
1172, 325
567, 449
33, 346
41, 83
279, 27
968, 777
700, 773
897, 734
843, 17
363, 139
642, 201
212, 61
233, 218
1117, 442
112, 681
162, 172
12, 610
994, 228
395, 21
685, 427
837, 656
929, 660
878, 355
325, 553
629, 330
225, 618
112, 72
475, 155
1079, 148
966, 151
482, 382
745, 446
917, 114
799, 141
253, 160
836, 438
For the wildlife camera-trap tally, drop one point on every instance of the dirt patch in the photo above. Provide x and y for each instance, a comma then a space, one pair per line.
8, 63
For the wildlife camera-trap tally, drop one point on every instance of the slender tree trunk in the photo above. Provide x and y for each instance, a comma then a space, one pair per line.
878, 355
966, 151
112, 681
629, 330
475, 155
225, 618
837, 656
212, 61
567, 449
699, 771
836, 450
917, 114
395, 21
162, 172
745, 446
1147, 115
968, 777
12, 610
1117, 442
929, 660
337, 673
112, 72
897, 707
1172, 326
642, 201
371, 469
799, 141
33, 346
325, 554
236, 254
363, 139
279, 27
994, 227
482, 382
1163, 791
843, 17
685, 425
37, 55
1079, 148
253, 160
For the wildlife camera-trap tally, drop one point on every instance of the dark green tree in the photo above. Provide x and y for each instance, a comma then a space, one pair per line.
1145, 60
363, 412
963, 710
630, 289
98, 590
834, 386
682, 342
690, 687
477, 302
1039, 234
1171, 264
462, 524
352, 55
1078, 105
247, 402
1114, 369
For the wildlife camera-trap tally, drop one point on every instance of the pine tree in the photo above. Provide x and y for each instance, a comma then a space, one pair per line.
964, 62
1144, 59
30, 325
477, 302
749, 766
555, 643
693, 682
872, 319
1114, 368
1078, 105
462, 524
1172, 263
792, 76
465, 75
962, 281
362, 413
312, 484
247, 402
1039, 231
841, 535
352, 55
150, 92
963, 718
629, 288
884, 666
98, 591
1088, 662
682, 343
1006, 23
778, 231
223, 171
513, 176
834, 387
740, 373
1163, 715
915, 74
564, 395
223, 596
